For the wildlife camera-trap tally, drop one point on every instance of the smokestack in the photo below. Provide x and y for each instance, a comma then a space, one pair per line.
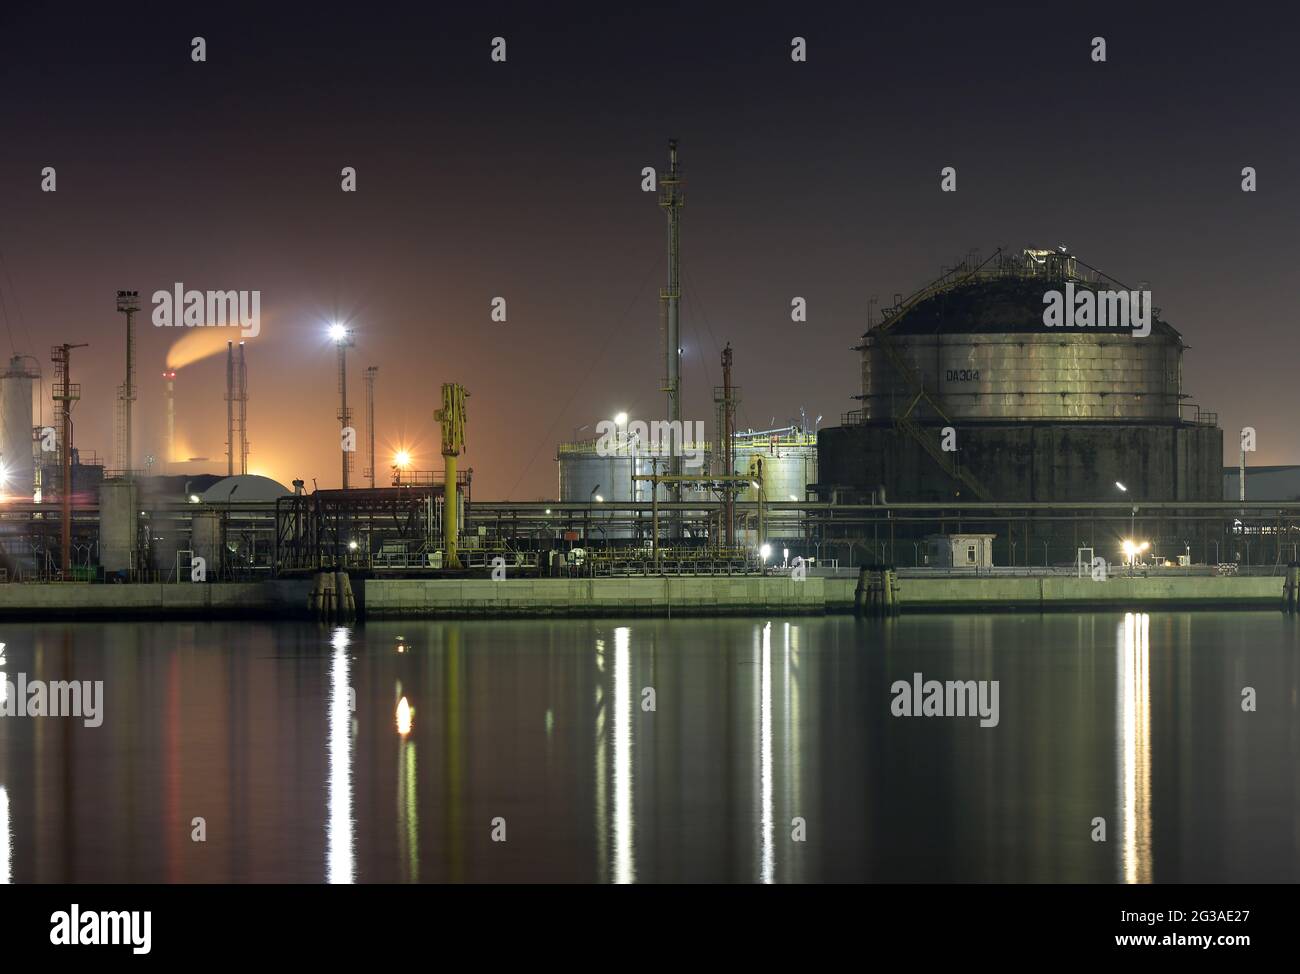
169, 446
242, 389
370, 422
230, 409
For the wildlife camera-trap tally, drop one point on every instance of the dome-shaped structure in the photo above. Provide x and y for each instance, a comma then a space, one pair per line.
981, 346
968, 391
244, 487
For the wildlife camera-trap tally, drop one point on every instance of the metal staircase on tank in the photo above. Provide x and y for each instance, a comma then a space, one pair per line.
916, 386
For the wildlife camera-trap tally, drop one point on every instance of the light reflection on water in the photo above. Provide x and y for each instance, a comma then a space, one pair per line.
758, 724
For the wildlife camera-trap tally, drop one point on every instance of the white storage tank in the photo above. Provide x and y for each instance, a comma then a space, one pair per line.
16, 441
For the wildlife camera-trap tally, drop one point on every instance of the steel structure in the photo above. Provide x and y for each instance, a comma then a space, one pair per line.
65, 393
671, 200
452, 418
344, 340
128, 303
725, 400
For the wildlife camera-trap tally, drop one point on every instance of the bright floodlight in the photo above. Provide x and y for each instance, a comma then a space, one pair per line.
338, 332
793, 497
1130, 549
620, 419
765, 551
599, 499
402, 459
194, 498
1121, 486
352, 545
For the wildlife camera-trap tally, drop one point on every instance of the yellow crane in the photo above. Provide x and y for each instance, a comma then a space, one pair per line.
452, 418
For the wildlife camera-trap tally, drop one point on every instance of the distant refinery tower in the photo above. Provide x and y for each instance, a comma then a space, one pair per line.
169, 419
128, 303
241, 394
230, 409
371, 372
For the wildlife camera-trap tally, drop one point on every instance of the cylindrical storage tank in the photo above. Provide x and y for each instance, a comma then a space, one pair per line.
1006, 381
16, 441
206, 540
789, 463
786, 461
984, 350
588, 470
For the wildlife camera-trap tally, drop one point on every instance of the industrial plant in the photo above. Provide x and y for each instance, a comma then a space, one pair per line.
981, 437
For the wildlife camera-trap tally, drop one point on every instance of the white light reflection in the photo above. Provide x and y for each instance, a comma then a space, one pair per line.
624, 857
5, 837
1133, 710
768, 858
339, 862
602, 770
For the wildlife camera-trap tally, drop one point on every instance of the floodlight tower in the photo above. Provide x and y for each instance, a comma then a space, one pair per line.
343, 339
128, 303
452, 418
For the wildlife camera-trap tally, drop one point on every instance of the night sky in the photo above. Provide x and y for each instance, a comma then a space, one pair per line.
522, 180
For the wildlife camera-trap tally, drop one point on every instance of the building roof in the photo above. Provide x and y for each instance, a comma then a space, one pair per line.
244, 487
997, 306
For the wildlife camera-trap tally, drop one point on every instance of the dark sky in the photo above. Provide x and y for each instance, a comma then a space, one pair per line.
521, 179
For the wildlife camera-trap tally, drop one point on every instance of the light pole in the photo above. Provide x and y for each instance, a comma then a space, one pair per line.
343, 339
401, 461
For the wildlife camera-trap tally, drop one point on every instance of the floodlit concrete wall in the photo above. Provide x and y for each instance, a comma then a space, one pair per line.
711, 595
60, 600
614, 597
1065, 592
